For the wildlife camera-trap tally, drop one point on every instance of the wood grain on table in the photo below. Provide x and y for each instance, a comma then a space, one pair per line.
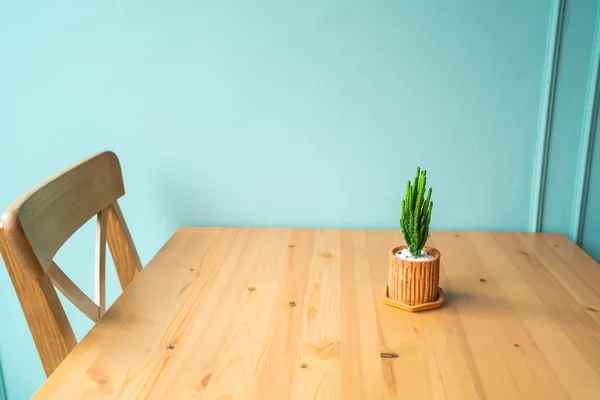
298, 314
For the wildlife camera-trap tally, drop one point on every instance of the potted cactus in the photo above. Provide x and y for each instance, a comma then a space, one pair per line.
414, 270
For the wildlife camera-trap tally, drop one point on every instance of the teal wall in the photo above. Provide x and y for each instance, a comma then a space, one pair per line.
296, 114
568, 122
591, 224
572, 173
589, 165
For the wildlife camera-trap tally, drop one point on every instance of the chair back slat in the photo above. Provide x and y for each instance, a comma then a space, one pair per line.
100, 262
125, 256
75, 295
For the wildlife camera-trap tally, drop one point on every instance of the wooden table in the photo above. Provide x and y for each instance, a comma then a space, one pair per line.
297, 313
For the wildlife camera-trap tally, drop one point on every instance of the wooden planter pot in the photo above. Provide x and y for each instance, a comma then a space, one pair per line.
413, 285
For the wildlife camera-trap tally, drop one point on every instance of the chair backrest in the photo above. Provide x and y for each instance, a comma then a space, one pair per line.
35, 227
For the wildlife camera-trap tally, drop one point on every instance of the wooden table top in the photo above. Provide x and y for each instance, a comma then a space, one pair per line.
298, 313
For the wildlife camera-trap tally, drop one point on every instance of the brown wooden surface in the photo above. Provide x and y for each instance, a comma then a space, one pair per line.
123, 251
75, 295
100, 262
40, 222
48, 323
298, 313
36, 225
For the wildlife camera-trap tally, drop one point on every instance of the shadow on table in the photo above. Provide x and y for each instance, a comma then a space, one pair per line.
496, 306
491, 305
452, 298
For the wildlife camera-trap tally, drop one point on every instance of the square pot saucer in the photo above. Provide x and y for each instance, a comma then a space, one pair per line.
421, 307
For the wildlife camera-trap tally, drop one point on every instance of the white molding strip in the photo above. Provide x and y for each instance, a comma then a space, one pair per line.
586, 145
545, 118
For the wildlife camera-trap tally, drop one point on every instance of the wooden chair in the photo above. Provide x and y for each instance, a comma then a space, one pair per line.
35, 227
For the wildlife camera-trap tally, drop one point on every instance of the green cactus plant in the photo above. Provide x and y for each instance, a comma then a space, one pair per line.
416, 213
